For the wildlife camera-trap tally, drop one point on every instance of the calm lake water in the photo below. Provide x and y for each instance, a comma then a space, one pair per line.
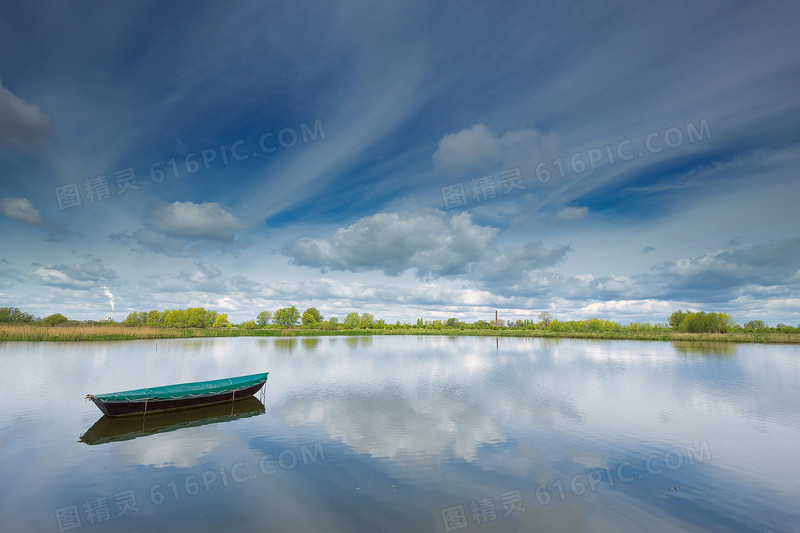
406, 434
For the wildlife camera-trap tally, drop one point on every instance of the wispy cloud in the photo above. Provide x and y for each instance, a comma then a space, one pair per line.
596, 107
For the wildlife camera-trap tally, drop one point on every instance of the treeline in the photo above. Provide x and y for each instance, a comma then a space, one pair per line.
194, 317
198, 317
12, 315
311, 318
702, 322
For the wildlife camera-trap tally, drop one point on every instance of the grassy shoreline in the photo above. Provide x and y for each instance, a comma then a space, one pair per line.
29, 333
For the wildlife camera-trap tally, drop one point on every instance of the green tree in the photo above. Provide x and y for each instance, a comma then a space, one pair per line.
333, 321
12, 315
153, 318
351, 321
692, 322
54, 320
250, 324
133, 319
366, 320
263, 318
195, 317
211, 317
595, 325
677, 318
701, 322
722, 322
755, 325
452, 322
287, 316
222, 321
174, 318
311, 316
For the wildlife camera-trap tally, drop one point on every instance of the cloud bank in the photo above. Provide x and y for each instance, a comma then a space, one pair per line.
427, 241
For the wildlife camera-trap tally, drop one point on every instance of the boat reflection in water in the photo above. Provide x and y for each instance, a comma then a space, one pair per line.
113, 429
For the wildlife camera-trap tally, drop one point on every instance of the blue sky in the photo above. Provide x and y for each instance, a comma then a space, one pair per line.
409, 159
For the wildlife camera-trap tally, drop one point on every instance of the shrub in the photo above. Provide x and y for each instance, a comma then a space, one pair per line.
54, 320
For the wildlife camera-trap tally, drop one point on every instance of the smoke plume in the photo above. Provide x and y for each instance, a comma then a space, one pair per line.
110, 297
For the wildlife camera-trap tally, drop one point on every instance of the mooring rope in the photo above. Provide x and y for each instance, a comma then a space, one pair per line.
145, 412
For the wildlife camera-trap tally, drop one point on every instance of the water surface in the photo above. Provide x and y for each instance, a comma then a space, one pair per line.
407, 434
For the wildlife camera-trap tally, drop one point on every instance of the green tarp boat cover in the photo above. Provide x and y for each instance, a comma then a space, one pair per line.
183, 390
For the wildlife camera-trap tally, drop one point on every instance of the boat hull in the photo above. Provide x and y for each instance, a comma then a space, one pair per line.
160, 405
120, 428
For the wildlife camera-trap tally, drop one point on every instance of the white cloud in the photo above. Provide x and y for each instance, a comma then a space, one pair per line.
21, 209
358, 419
469, 148
571, 214
355, 295
158, 243
22, 125
85, 275
478, 148
510, 265
427, 241
188, 220
622, 308
206, 278
160, 451
773, 264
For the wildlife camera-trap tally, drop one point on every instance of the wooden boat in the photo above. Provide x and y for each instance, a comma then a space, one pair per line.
180, 396
119, 428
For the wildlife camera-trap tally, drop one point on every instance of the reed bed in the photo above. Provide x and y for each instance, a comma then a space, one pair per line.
26, 332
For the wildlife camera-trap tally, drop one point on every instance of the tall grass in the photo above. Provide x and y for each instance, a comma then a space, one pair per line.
26, 332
